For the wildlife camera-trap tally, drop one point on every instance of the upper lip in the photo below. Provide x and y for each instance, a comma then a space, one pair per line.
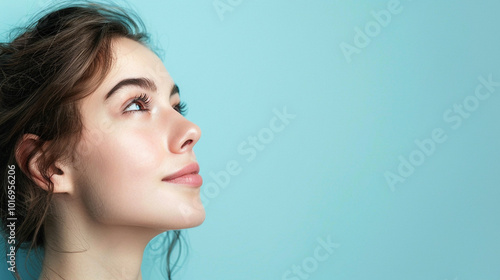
192, 168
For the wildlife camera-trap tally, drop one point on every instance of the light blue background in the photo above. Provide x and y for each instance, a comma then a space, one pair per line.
323, 175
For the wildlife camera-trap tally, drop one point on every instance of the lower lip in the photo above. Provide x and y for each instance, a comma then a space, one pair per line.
192, 180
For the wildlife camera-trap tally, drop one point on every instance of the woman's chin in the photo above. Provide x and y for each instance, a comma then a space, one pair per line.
192, 217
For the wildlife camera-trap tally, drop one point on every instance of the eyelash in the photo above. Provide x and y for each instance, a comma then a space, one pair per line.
181, 108
143, 100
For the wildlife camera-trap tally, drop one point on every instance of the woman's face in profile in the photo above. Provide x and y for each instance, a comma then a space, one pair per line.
136, 145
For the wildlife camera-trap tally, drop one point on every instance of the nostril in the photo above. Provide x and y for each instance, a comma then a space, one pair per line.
188, 142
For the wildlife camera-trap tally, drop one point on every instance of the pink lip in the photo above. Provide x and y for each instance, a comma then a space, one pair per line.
186, 176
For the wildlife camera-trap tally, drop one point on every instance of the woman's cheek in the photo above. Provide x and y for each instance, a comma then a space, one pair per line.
140, 150
121, 173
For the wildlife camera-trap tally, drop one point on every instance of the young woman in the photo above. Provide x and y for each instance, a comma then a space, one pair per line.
96, 155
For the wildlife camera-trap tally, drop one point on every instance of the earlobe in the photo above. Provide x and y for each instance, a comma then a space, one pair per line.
29, 156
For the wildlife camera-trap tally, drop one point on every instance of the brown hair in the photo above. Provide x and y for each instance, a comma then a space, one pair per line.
44, 72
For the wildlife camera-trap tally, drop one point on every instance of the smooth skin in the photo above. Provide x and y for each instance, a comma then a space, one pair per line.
111, 200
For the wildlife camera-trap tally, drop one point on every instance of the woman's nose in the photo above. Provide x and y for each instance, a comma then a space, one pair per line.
185, 134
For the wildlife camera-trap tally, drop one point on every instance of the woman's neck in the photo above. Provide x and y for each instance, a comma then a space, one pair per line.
79, 248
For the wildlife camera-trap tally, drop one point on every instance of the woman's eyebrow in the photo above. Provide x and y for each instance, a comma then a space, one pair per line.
143, 83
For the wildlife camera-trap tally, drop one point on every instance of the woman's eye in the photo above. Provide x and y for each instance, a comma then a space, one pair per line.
133, 107
138, 104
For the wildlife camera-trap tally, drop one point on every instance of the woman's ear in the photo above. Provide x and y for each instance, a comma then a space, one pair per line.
28, 154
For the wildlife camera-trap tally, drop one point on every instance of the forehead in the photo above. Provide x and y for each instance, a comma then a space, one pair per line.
133, 59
